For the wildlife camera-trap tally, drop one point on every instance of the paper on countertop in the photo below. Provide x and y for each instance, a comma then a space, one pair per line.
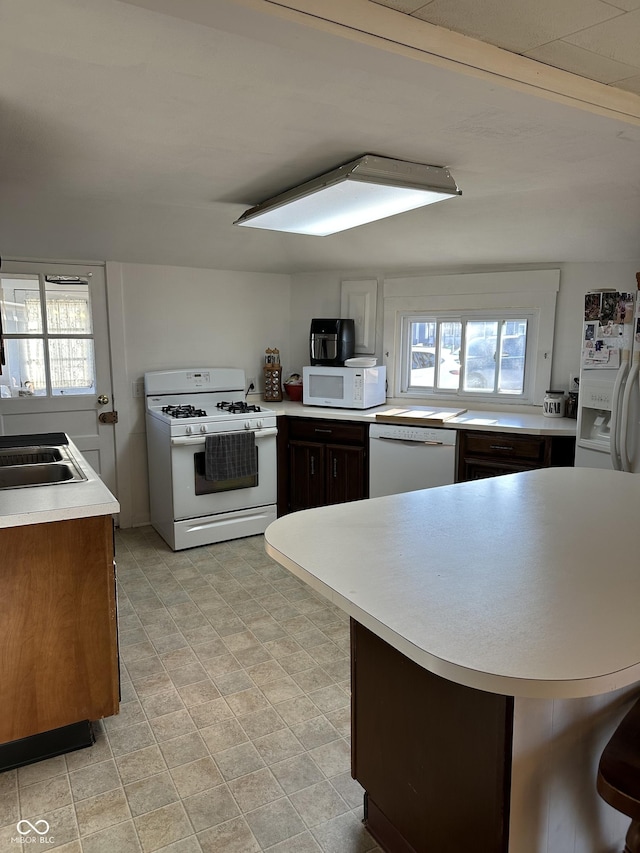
477, 421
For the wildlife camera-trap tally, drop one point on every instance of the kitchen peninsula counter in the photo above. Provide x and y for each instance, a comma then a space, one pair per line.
510, 604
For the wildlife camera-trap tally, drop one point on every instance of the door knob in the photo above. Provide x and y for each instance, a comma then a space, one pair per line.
103, 399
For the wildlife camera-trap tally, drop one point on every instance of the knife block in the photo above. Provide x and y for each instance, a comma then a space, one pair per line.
272, 383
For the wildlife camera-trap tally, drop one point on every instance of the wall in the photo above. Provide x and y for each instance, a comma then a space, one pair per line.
312, 295
318, 295
164, 317
175, 316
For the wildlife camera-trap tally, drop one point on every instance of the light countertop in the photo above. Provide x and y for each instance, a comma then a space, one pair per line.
59, 501
525, 585
485, 421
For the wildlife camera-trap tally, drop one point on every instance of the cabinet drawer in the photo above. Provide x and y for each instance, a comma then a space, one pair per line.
327, 431
477, 469
505, 445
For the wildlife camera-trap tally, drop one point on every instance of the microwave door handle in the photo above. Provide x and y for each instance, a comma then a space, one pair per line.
183, 440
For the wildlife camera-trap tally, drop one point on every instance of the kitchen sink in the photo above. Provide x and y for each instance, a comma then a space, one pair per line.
43, 474
29, 455
37, 465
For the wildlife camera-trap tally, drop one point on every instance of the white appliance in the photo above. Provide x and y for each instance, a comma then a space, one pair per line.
608, 434
183, 408
407, 458
344, 387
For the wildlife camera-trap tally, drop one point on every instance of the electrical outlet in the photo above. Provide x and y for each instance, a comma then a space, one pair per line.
251, 383
138, 388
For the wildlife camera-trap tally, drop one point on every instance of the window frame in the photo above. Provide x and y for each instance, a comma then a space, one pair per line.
463, 317
522, 292
46, 336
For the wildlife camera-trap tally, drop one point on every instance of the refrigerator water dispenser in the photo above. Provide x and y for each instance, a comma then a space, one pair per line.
594, 417
600, 429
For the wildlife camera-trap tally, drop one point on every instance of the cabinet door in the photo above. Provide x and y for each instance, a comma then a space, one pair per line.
58, 634
306, 474
345, 473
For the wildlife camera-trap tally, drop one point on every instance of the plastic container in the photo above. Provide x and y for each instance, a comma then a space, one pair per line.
293, 391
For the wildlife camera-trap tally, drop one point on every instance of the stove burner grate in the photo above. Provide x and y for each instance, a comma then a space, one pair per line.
184, 412
239, 407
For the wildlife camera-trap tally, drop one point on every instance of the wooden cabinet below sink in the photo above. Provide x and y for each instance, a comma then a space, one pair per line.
58, 633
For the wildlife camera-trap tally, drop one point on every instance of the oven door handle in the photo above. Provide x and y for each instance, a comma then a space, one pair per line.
181, 441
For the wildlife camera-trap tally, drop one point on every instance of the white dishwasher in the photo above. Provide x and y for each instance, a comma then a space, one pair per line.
406, 458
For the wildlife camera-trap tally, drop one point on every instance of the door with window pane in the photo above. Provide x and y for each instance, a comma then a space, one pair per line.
56, 375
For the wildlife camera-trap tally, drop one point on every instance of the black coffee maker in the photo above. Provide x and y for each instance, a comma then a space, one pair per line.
332, 342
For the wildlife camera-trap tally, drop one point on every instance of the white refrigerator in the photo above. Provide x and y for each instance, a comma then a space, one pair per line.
608, 429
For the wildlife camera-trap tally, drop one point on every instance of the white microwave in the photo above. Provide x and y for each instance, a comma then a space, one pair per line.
344, 387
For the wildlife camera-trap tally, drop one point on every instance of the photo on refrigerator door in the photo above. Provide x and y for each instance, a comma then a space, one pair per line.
610, 307
612, 330
625, 309
601, 345
592, 304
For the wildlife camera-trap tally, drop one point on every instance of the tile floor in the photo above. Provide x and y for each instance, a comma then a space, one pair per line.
233, 733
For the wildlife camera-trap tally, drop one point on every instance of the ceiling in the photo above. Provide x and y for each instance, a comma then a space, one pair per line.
139, 130
597, 39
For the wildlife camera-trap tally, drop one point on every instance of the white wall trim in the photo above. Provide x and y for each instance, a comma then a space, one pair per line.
121, 391
531, 289
509, 281
359, 300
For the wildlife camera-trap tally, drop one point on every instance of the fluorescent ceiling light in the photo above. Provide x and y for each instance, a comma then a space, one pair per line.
362, 190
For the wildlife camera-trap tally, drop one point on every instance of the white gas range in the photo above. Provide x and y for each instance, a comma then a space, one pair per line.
187, 413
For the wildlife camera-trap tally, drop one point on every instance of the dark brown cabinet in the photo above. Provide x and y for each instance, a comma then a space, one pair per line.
433, 756
344, 474
306, 474
490, 454
321, 462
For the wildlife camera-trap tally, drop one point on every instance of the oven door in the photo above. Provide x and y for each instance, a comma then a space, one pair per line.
194, 496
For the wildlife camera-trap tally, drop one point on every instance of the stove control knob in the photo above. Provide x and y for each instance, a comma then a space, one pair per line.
259, 425
189, 430
247, 425
203, 428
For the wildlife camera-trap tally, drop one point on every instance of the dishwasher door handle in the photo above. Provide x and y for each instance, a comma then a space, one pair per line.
430, 443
